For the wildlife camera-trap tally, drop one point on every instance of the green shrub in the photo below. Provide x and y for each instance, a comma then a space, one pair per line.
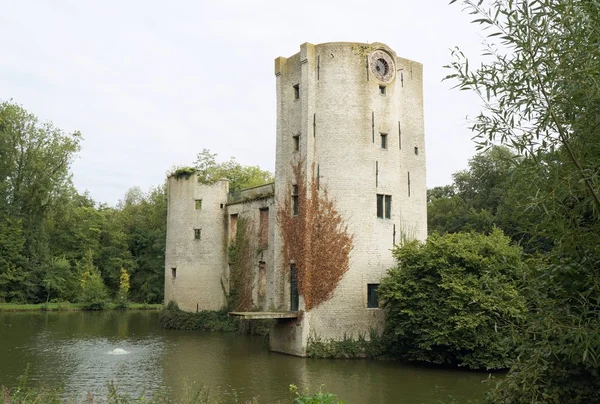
206, 320
315, 398
454, 299
346, 348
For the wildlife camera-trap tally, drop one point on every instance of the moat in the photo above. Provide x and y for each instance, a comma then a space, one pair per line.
82, 351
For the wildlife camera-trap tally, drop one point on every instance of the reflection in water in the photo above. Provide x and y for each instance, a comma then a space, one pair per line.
82, 351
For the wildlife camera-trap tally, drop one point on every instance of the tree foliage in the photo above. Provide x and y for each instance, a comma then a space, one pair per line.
541, 95
454, 300
239, 176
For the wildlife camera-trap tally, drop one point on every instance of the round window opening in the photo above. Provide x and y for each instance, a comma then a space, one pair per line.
382, 65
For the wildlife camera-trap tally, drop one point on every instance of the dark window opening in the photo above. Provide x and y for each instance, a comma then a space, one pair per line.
296, 142
173, 273
295, 200
197, 233
384, 140
222, 206
382, 90
297, 91
372, 296
198, 204
384, 206
264, 228
294, 295
417, 150
233, 226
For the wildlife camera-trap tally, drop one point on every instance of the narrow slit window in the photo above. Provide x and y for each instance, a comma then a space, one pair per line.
408, 183
297, 91
198, 204
417, 150
296, 142
295, 200
384, 143
382, 90
173, 273
372, 296
197, 234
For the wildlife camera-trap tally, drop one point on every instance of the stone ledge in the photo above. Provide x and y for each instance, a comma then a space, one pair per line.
264, 315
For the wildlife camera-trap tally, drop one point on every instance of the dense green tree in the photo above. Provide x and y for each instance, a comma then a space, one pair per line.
93, 292
454, 300
239, 176
144, 218
14, 285
473, 201
541, 94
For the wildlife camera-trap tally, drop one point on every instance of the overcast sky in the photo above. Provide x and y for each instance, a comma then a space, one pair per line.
151, 83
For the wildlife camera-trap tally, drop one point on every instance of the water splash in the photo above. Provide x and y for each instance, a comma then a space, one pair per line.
118, 351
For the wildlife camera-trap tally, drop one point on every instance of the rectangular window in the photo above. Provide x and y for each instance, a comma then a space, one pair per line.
173, 273
382, 90
417, 150
296, 142
383, 140
384, 206
372, 296
233, 226
295, 200
198, 204
388, 206
264, 228
197, 233
297, 91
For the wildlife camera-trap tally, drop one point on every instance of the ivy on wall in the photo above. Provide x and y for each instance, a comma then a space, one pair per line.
316, 240
241, 266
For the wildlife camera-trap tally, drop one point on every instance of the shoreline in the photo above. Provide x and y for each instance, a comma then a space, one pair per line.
10, 307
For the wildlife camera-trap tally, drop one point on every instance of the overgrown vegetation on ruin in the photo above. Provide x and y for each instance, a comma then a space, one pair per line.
242, 255
316, 240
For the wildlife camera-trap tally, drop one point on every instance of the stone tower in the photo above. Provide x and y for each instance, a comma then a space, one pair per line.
355, 111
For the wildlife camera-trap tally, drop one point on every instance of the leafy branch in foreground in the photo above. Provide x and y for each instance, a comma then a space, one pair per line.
540, 88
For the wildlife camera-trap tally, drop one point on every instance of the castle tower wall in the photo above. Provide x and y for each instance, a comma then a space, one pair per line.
195, 255
363, 132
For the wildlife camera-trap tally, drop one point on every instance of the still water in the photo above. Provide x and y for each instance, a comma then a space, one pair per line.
82, 351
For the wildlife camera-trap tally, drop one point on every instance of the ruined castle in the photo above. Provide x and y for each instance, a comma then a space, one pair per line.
351, 114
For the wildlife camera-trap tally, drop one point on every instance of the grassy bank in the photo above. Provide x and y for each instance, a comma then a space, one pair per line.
73, 306
193, 393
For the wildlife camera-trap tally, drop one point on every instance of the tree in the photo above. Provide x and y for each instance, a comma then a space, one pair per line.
144, 221
35, 161
93, 291
239, 176
454, 300
14, 285
123, 294
472, 202
541, 96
